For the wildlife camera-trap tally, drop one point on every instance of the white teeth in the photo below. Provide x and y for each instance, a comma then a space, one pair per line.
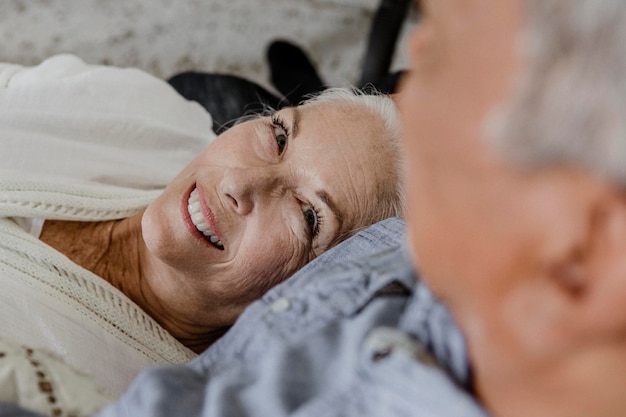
203, 227
197, 218
195, 206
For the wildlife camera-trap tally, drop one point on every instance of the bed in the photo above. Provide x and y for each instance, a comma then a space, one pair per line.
70, 342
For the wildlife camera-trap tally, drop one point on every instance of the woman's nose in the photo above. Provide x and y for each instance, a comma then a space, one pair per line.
244, 188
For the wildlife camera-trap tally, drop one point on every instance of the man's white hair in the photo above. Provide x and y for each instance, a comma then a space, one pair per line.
569, 103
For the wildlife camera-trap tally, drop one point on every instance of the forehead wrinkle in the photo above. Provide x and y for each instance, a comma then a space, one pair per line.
295, 122
355, 182
364, 176
344, 122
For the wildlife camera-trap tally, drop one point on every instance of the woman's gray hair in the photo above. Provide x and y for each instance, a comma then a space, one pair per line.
392, 201
569, 103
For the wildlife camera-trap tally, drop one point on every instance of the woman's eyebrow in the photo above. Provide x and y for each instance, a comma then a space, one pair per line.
329, 203
332, 207
295, 118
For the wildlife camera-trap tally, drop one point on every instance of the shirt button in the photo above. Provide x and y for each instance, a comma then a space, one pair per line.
385, 341
280, 305
382, 353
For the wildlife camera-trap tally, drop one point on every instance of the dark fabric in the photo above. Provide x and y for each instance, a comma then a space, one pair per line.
295, 76
381, 43
292, 72
226, 97
229, 98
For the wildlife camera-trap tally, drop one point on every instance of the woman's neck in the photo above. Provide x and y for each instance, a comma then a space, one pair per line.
114, 250
109, 249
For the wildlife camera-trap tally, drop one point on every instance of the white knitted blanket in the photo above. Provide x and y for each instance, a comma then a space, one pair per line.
80, 142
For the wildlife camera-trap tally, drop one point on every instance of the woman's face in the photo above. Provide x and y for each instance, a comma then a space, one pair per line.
263, 199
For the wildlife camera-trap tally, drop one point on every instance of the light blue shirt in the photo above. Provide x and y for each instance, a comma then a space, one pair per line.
356, 338
347, 336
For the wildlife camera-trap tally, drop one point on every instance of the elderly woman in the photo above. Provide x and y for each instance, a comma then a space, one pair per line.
131, 237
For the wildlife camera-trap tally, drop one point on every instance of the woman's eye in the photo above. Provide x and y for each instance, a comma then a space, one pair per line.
312, 219
281, 133
281, 139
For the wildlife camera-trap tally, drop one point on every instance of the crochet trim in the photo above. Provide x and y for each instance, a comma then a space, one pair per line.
113, 311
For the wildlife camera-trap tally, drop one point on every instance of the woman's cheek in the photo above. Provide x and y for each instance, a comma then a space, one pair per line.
275, 258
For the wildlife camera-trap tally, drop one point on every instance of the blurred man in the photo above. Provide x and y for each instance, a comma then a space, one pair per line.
515, 118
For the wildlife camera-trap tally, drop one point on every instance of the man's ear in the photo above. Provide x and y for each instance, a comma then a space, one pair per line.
593, 273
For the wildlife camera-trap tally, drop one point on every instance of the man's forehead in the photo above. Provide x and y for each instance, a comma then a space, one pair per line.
430, 6
463, 9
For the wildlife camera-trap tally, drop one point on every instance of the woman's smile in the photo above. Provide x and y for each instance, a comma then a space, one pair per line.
202, 219
263, 199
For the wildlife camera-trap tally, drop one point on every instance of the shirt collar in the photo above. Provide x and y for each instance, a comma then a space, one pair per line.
427, 319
